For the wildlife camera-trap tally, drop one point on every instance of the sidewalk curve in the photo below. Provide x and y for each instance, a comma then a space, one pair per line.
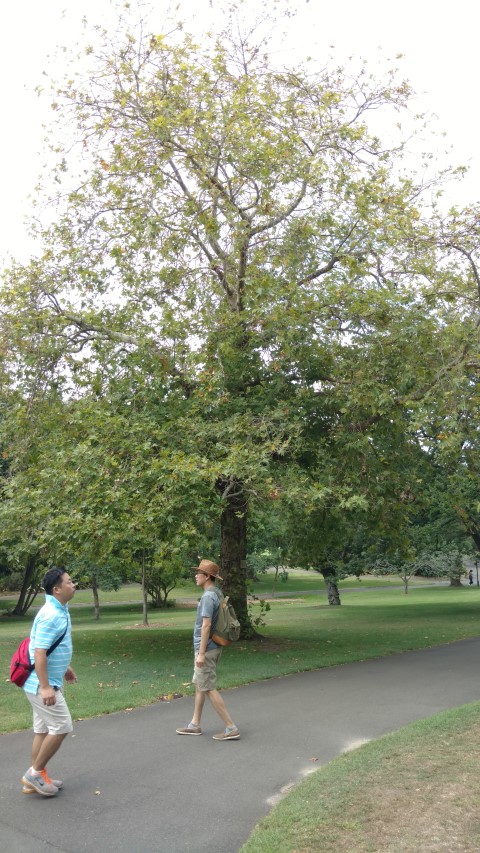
133, 786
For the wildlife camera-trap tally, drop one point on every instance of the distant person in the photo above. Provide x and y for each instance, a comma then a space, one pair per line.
470, 577
206, 656
44, 686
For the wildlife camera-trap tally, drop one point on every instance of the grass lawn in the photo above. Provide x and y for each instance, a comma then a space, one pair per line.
298, 581
412, 790
121, 664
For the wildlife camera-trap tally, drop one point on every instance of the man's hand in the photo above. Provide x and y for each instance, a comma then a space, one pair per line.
70, 675
48, 695
206, 627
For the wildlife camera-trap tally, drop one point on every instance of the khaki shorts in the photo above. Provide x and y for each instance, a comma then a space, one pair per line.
50, 719
205, 677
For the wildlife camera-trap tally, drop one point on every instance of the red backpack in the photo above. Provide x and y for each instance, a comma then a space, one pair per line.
20, 666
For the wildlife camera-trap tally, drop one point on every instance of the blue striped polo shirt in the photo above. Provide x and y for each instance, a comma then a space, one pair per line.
48, 625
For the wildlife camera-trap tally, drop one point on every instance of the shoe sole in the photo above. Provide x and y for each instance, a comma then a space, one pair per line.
27, 789
229, 737
194, 734
34, 790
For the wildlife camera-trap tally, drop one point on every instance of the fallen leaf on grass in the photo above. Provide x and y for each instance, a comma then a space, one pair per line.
167, 697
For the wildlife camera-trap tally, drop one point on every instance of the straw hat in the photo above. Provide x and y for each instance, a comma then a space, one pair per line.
208, 568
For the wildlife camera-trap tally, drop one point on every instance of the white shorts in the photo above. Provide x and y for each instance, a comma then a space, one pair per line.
50, 719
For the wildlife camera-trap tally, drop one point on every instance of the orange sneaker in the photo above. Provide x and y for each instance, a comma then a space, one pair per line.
57, 783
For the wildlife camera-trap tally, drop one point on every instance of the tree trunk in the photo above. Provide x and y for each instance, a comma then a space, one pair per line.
455, 582
332, 586
475, 534
30, 587
275, 581
96, 599
233, 553
144, 592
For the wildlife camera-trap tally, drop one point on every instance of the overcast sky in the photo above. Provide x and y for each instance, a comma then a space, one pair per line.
439, 44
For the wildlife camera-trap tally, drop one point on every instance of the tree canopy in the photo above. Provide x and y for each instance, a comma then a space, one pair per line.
243, 297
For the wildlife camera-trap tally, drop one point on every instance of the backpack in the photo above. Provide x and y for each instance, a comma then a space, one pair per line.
20, 666
227, 626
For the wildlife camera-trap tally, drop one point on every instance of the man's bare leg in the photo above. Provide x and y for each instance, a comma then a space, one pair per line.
44, 748
36, 747
198, 707
220, 707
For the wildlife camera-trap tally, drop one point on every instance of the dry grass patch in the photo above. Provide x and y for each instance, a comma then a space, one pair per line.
410, 791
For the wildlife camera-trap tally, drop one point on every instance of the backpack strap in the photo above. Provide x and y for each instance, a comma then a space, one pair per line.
57, 642
219, 596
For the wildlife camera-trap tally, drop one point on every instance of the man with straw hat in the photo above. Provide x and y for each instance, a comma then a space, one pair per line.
207, 654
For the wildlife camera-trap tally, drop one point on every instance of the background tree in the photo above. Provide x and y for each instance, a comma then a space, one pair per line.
437, 564
165, 573
22, 513
268, 541
96, 578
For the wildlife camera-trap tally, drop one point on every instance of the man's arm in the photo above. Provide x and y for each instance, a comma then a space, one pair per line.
205, 634
46, 690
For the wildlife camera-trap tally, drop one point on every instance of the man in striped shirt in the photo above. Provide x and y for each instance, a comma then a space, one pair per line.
44, 686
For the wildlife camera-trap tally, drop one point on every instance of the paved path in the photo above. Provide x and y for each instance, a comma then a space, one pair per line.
133, 786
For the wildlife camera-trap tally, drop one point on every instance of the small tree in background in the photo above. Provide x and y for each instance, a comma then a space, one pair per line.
165, 570
96, 577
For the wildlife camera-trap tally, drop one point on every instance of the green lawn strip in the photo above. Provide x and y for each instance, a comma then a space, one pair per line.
121, 664
408, 791
127, 593
298, 582
302, 581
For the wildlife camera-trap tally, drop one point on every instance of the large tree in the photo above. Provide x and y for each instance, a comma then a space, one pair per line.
238, 237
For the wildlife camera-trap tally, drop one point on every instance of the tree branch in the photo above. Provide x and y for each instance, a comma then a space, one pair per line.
109, 334
267, 226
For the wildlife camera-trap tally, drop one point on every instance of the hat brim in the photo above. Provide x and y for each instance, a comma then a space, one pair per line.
197, 569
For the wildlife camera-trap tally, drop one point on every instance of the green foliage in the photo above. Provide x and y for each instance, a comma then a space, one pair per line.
447, 564
163, 574
245, 309
440, 564
11, 581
